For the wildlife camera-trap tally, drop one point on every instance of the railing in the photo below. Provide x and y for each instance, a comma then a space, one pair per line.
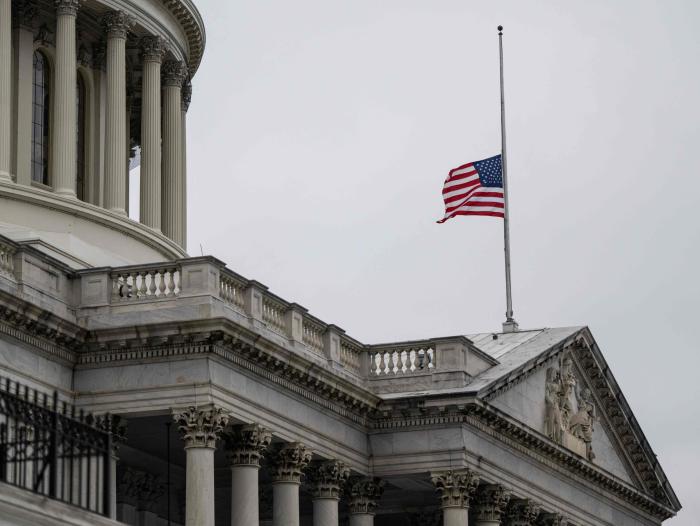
351, 355
231, 289
273, 314
395, 360
312, 334
49, 448
6, 259
151, 282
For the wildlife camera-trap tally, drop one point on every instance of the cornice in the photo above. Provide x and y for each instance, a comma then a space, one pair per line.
191, 22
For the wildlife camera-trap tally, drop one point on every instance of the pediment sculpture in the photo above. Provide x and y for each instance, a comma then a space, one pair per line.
569, 410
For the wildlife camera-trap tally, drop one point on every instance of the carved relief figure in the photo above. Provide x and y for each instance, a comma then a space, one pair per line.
552, 423
568, 384
582, 421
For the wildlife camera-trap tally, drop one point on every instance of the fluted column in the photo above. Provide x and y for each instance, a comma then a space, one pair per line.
150, 211
288, 464
456, 489
363, 497
522, 512
245, 445
63, 142
5, 87
117, 25
186, 99
327, 479
200, 429
490, 505
172, 181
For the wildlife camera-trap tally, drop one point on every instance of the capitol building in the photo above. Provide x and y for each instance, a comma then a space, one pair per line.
140, 385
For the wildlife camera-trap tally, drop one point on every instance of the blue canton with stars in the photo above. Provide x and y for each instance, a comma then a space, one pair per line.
489, 171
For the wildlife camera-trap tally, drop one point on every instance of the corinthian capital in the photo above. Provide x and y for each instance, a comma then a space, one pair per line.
551, 519
174, 73
289, 461
246, 444
491, 502
67, 7
117, 24
522, 512
455, 487
364, 494
201, 427
153, 49
328, 478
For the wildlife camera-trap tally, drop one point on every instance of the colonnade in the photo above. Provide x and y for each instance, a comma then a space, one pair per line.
163, 115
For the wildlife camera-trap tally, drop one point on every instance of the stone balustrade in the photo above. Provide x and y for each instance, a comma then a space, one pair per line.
146, 283
7, 251
415, 357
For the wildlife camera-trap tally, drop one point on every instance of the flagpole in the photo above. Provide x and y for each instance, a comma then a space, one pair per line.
510, 324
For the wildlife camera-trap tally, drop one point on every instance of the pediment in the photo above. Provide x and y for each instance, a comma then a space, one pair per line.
569, 395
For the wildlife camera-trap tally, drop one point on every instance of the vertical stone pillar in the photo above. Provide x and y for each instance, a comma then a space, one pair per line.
150, 213
186, 99
117, 25
200, 429
172, 188
327, 479
245, 445
490, 506
456, 489
288, 463
5, 87
22, 117
364, 495
63, 144
522, 512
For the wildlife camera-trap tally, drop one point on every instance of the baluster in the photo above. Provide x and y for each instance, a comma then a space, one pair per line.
152, 283
161, 283
143, 288
431, 358
175, 278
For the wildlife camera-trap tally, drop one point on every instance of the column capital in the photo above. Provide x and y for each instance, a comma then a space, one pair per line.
67, 7
201, 427
117, 24
491, 502
174, 73
186, 94
245, 444
364, 494
522, 512
24, 13
289, 461
456, 488
327, 479
551, 519
152, 49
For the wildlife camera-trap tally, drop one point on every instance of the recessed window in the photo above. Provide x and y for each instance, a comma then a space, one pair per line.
80, 135
40, 119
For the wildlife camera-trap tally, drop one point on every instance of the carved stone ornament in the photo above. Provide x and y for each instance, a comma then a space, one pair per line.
24, 13
186, 94
455, 487
201, 427
491, 502
328, 478
44, 36
153, 49
117, 24
570, 426
245, 444
289, 461
67, 7
364, 494
522, 512
173, 73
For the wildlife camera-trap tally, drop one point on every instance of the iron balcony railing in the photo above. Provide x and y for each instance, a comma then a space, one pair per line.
50, 448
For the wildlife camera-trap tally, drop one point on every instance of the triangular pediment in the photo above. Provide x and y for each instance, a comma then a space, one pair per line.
567, 393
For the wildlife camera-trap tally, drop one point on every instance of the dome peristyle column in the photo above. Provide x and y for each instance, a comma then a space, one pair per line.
173, 189
5, 87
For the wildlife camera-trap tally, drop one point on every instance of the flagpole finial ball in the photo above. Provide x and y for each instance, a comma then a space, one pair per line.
500, 30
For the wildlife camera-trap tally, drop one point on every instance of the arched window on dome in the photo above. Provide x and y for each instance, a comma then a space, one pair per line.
40, 119
80, 102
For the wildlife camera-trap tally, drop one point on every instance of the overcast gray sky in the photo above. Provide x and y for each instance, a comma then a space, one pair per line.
320, 134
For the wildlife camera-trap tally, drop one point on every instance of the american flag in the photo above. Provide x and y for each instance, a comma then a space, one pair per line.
474, 189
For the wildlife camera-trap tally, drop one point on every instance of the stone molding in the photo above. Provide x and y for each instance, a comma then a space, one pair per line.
152, 49
117, 24
174, 73
67, 7
289, 461
245, 444
364, 494
456, 488
328, 478
201, 427
522, 512
490, 503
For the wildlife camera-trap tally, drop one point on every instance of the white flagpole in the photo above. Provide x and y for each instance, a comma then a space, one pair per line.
510, 324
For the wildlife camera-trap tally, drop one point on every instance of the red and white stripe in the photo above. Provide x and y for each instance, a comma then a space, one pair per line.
464, 195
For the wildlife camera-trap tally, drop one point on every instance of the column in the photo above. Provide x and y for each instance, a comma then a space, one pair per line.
490, 506
153, 50
455, 488
200, 429
287, 465
63, 141
117, 25
522, 512
245, 445
172, 184
25, 12
364, 495
5, 87
186, 99
327, 480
